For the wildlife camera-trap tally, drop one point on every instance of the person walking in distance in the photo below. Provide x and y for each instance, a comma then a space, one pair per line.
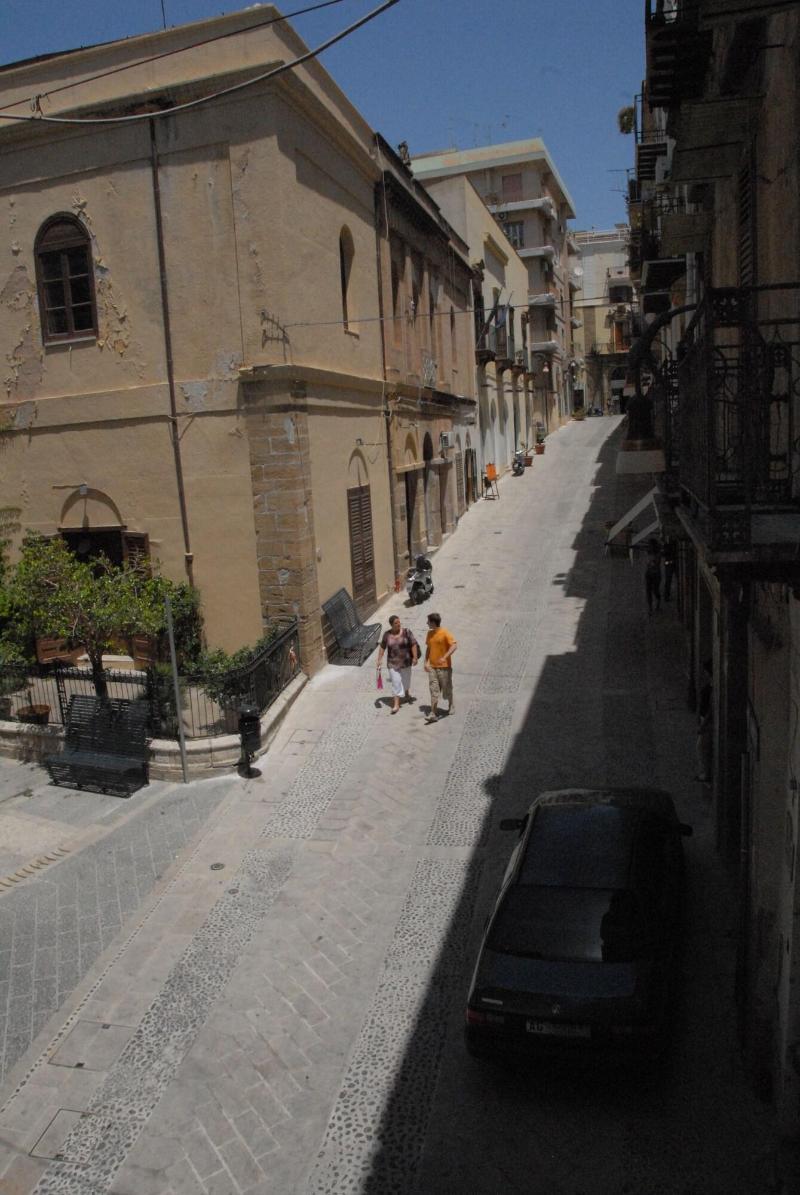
652, 576
439, 648
402, 653
670, 558
705, 725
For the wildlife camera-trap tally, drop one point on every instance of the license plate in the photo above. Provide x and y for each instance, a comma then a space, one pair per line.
556, 1029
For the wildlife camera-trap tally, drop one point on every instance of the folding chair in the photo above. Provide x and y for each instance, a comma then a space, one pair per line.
490, 489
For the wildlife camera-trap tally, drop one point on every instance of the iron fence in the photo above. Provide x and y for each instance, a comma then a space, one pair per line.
40, 693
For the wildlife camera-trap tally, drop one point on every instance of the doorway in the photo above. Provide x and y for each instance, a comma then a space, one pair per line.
362, 550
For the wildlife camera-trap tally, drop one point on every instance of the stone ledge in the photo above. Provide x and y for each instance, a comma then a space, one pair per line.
204, 757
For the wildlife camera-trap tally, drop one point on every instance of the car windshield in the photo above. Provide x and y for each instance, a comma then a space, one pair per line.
575, 924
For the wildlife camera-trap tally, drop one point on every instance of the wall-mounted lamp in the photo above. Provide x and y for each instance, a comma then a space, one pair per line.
359, 442
83, 490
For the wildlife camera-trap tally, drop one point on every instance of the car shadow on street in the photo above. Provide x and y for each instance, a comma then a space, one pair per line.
688, 1124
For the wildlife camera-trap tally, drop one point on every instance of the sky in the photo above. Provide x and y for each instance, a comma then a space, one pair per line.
434, 73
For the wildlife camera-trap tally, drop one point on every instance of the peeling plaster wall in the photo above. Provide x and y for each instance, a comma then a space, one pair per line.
255, 192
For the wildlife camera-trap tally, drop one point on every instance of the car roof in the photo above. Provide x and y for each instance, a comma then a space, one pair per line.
583, 838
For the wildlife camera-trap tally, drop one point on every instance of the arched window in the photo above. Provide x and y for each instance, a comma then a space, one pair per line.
65, 280
346, 255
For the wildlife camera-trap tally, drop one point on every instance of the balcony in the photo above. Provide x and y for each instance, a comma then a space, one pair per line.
545, 299
678, 54
738, 373
545, 251
505, 352
486, 346
649, 149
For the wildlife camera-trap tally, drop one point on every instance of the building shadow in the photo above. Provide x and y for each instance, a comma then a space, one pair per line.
607, 708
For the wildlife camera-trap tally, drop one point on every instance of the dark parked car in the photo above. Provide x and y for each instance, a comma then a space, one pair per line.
580, 950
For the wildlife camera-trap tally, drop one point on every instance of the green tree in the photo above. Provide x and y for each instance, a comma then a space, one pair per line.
86, 604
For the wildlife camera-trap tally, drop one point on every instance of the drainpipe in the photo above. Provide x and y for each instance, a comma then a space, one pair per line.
387, 413
188, 555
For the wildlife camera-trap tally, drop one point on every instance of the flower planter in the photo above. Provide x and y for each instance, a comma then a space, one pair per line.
528, 462
36, 715
538, 449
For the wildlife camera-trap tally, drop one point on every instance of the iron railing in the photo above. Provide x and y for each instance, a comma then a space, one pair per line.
730, 407
41, 692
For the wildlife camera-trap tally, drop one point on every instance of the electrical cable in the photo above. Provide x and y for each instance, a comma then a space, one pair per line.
207, 41
39, 118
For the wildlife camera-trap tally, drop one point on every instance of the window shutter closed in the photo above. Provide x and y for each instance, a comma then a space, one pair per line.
460, 482
747, 223
362, 554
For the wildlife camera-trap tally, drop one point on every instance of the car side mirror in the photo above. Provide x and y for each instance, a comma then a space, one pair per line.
685, 830
514, 823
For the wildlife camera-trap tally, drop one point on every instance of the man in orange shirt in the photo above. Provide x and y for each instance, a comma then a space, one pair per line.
439, 647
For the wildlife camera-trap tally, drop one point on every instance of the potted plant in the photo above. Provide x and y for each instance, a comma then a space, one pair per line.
579, 413
37, 714
538, 447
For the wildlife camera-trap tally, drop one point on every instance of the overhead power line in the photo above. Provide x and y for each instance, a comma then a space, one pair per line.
206, 41
39, 118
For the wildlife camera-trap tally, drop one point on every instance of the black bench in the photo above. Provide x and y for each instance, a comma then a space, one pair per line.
105, 746
354, 638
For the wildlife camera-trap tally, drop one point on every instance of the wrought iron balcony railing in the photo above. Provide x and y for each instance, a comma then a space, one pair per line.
728, 405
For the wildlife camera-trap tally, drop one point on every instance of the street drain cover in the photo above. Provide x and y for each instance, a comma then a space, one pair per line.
216, 867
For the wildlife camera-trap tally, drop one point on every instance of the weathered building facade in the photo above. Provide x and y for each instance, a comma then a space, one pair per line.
521, 187
716, 222
605, 314
190, 316
504, 378
428, 349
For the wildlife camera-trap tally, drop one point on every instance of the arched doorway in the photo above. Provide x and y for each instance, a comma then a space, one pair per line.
362, 547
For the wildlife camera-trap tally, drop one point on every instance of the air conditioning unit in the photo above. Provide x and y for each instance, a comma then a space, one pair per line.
445, 441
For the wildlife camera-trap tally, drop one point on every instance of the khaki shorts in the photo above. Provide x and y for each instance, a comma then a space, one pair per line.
441, 682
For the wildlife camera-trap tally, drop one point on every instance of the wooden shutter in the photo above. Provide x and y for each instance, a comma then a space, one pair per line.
460, 482
362, 553
747, 222
136, 550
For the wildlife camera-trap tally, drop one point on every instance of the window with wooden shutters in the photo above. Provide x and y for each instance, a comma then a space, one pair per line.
747, 222
65, 280
362, 553
460, 482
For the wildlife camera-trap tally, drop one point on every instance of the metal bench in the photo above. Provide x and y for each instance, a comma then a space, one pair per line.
354, 638
105, 746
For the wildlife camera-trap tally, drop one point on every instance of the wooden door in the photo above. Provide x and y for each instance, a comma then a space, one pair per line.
362, 552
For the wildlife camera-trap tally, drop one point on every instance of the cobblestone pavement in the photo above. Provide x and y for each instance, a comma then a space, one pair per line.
279, 1005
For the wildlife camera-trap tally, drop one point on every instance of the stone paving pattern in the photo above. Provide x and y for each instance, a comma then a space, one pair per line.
291, 1022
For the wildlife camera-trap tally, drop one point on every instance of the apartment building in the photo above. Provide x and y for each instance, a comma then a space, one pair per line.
500, 285
521, 187
715, 221
604, 316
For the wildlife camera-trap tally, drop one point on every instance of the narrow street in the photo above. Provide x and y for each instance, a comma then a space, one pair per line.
291, 1021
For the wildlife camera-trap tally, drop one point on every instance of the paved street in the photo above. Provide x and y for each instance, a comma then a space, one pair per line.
258, 986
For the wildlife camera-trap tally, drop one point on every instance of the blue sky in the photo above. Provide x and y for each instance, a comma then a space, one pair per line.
435, 73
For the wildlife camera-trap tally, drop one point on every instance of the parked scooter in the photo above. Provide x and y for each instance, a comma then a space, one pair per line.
419, 580
518, 463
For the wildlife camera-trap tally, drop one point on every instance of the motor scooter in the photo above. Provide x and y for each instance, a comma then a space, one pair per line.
419, 580
518, 463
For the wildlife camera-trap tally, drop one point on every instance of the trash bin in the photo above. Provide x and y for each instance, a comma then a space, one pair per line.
250, 729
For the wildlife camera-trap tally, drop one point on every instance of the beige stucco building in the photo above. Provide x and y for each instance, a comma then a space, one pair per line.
522, 188
715, 224
190, 321
504, 380
604, 316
